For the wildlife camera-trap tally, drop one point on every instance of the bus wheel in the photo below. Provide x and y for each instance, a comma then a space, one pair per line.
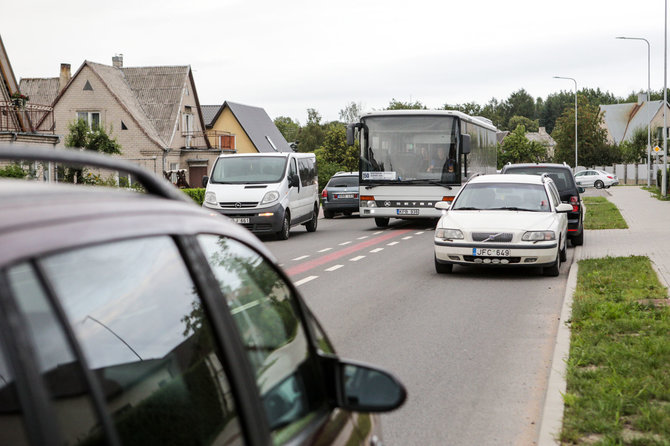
381, 222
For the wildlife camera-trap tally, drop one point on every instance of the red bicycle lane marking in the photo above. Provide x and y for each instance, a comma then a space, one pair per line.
306, 266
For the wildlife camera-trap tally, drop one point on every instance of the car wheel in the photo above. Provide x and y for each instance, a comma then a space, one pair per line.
311, 225
578, 240
599, 184
381, 222
564, 252
328, 214
285, 230
443, 268
554, 269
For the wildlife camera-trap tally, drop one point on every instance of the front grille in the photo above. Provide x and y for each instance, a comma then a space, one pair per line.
492, 236
509, 259
406, 203
238, 204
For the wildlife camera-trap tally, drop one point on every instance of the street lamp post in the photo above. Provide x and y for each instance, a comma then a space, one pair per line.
648, 99
573, 80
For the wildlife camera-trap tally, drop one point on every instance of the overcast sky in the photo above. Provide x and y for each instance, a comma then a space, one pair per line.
288, 56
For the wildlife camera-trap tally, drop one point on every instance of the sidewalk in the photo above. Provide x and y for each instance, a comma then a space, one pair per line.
648, 222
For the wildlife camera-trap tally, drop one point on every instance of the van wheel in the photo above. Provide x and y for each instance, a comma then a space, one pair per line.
285, 230
311, 225
381, 222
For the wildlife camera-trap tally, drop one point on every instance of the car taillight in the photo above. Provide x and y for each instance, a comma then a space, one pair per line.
574, 201
610, 177
324, 193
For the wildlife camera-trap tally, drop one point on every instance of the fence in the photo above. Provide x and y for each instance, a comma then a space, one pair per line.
633, 174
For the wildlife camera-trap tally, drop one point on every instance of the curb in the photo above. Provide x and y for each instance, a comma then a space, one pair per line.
552, 413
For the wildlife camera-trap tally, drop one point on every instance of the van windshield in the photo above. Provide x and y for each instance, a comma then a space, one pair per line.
248, 169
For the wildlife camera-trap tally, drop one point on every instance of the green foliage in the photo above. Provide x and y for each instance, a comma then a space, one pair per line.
14, 170
289, 128
529, 124
399, 105
312, 134
554, 107
335, 155
592, 146
351, 113
196, 194
602, 214
635, 150
519, 103
81, 136
516, 148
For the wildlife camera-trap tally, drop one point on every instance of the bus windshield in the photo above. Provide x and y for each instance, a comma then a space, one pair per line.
410, 149
248, 169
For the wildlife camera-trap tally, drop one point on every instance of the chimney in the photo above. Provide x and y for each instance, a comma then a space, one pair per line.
64, 76
641, 97
117, 61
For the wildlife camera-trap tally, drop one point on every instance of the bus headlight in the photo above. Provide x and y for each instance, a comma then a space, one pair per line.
448, 234
269, 197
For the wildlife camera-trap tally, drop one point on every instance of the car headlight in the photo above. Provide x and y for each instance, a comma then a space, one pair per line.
448, 233
269, 197
210, 198
535, 236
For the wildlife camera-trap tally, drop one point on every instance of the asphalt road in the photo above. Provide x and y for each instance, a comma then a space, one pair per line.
473, 347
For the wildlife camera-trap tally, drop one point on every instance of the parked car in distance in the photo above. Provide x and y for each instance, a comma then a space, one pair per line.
340, 194
596, 178
503, 220
568, 189
141, 318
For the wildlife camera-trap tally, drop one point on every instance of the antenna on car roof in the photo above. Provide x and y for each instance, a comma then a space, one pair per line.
151, 183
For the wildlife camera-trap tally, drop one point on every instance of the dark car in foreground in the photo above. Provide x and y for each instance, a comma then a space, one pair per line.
567, 188
140, 318
340, 194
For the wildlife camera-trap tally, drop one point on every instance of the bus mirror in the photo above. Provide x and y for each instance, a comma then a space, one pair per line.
465, 144
351, 129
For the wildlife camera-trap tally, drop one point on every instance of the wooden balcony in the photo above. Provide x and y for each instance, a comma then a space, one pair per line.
28, 118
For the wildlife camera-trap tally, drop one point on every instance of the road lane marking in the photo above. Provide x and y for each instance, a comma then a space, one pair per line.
418, 233
300, 258
392, 243
377, 233
362, 238
407, 238
305, 280
345, 243
333, 268
324, 249
356, 259
377, 249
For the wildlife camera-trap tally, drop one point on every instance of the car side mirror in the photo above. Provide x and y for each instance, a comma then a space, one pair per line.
564, 207
293, 181
360, 387
443, 205
205, 180
465, 144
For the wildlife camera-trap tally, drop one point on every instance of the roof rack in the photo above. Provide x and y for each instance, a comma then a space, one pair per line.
151, 183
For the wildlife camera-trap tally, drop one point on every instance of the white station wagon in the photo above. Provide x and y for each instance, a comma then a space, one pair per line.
510, 220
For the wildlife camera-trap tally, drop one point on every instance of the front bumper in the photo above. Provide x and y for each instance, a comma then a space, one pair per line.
520, 254
268, 223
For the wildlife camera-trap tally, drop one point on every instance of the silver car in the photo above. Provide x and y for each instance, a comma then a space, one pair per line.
596, 178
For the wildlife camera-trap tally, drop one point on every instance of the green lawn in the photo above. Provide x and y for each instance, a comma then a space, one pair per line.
602, 214
618, 373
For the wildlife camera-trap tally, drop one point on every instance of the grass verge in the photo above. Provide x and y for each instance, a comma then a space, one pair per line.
602, 214
656, 192
618, 373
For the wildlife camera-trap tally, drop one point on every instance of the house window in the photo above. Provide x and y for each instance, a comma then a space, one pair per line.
174, 167
188, 128
123, 126
227, 142
91, 118
88, 86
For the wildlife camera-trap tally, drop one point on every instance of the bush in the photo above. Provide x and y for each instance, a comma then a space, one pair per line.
13, 171
196, 194
659, 177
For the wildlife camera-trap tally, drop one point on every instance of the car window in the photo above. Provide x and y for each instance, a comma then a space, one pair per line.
12, 427
343, 182
267, 316
562, 176
555, 197
500, 196
148, 341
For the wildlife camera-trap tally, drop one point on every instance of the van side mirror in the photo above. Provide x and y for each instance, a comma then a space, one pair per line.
351, 132
293, 180
205, 180
465, 144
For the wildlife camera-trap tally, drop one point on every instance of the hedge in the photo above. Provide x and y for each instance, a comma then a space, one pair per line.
196, 194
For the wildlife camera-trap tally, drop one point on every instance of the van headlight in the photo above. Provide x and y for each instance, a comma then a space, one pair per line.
539, 236
448, 234
210, 198
269, 197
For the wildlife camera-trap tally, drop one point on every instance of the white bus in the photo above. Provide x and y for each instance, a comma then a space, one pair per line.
410, 159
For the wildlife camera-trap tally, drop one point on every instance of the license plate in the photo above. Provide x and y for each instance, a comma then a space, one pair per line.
407, 212
344, 196
490, 252
241, 220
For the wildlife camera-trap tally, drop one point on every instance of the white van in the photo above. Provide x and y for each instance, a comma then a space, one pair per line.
265, 192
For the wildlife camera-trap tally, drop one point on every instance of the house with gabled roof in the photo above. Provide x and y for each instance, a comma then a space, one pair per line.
239, 128
152, 112
24, 119
622, 120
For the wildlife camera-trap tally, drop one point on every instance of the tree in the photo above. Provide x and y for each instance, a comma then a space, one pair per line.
311, 135
82, 136
398, 105
289, 128
593, 149
554, 107
493, 110
516, 148
469, 108
530, 125
351, 113
635, 150
519, 103
335, 155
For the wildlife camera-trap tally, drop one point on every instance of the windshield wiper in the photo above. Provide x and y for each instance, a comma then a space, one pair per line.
435, 182
468, 208
512, 208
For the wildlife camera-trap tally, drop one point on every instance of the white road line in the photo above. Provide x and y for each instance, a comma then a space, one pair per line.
362, 238
377, 249
407, 238
305, 280
333, 268
300, 258
356, 259
392, 243
377, 233
324, 250
345, 243
418, 233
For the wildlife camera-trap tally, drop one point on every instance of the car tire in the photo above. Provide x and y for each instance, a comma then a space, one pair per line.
564, 252
443, 268
554, 269
578, 240
599, 184
311, 225
328, 214
285, 230
382, 222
